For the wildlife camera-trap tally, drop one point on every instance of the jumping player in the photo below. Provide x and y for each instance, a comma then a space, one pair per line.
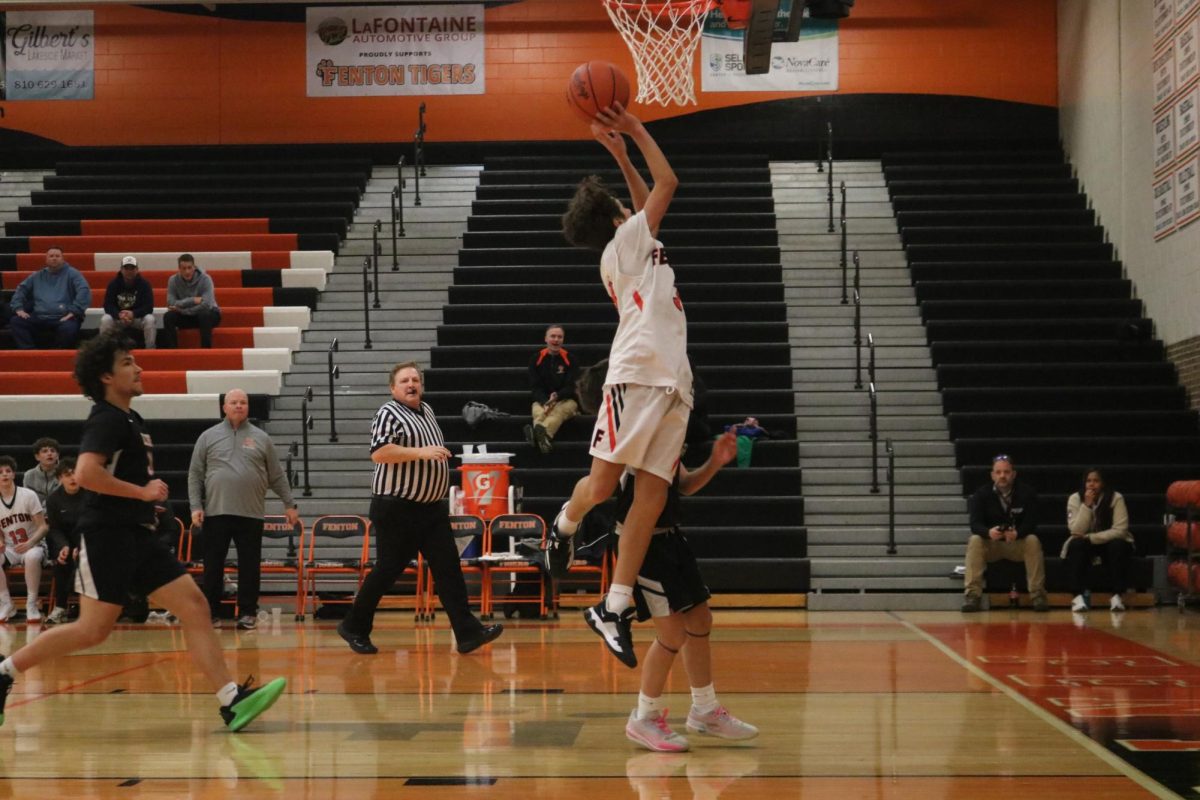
23, 523
118, 553
648, 391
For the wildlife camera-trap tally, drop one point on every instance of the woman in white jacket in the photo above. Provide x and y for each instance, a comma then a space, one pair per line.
1099, 525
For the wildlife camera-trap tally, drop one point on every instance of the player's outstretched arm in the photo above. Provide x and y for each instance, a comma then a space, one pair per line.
614, 143
724, 450
665, 180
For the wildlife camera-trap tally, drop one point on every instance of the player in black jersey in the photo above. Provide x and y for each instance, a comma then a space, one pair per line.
118, 552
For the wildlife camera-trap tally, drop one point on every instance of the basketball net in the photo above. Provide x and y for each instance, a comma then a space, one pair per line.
662, 38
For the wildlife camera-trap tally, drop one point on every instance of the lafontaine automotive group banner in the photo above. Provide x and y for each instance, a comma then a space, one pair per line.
47, 55
395, 50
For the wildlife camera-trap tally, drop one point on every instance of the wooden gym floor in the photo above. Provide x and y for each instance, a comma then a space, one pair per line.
872, 704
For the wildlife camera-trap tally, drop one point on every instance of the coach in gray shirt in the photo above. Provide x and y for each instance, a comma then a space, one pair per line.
233, 465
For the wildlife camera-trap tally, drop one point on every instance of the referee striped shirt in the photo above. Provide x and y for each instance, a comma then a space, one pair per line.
423, 481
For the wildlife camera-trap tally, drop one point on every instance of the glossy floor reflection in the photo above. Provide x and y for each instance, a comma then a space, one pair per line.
874, 705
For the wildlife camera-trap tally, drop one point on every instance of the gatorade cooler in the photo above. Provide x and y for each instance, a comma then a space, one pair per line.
485, 486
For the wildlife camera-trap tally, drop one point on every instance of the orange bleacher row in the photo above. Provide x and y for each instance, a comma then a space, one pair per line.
86, 261
162, 227
166, 243
98, 281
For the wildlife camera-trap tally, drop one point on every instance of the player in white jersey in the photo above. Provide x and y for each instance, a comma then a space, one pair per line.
23, 523
648, 392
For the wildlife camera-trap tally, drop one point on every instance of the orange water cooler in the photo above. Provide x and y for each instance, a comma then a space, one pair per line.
486, 490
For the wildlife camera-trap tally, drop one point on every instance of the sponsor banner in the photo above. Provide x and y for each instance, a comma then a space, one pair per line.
1185, 7
1164, 75
1187, 193
1164, 142
48, 55
1164, 207
809, 65
1187, 134
1164, 19
1187, 57
394, 50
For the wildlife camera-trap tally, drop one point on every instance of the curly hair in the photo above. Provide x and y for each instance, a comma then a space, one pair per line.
96, 358
588, 221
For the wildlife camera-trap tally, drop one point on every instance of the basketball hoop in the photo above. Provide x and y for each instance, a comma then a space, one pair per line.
662, 38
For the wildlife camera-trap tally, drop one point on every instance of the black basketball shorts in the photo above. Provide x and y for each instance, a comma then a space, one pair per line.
669, 581
120, 560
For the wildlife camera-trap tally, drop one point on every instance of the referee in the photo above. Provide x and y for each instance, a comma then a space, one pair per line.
409, 513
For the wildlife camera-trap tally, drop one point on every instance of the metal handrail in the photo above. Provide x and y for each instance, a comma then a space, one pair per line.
871, 357
891, 479
858, 384
334, 372
396, 200
829, 184
874, 436
857, 271
842, 261
376, 250
367, 302
421, 133
306, 424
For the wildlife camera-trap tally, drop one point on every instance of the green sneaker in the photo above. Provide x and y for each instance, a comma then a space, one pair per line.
249, 703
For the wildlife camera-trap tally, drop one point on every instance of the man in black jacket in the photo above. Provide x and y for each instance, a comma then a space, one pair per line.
1004, 526
129, 302
552, 381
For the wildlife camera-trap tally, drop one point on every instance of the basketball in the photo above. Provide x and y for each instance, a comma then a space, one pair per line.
594, 86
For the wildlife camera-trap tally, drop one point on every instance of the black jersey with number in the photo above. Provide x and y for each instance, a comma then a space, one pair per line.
122, 439
669, 518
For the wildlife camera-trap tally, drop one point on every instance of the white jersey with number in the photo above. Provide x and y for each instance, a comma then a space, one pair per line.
16, 516
650, 347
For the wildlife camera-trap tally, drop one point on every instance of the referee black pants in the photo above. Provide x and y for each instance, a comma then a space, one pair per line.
401, 529
246, 534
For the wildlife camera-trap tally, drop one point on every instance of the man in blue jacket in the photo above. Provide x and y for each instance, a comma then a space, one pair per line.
129, 302
54, 297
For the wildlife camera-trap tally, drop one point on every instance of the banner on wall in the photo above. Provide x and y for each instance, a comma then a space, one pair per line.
47, 55
1187, 193
355, 51
1164, 207
808, 65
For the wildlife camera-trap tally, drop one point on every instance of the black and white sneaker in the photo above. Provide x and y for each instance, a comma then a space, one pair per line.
559, 551
6, 685
615, 629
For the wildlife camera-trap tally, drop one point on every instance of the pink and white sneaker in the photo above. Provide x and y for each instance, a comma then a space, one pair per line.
653, 733
719, 723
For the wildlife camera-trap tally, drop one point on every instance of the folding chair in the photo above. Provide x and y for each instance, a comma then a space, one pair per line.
338, 550
283, 550
470, 534
516, 570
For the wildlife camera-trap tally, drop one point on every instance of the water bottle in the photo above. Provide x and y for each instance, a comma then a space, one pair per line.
1013, 597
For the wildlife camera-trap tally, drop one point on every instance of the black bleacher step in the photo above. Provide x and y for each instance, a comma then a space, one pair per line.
1007, 289
983, 202
571, 449
1009, 234
1009, 156
733, 575
1109, 447
731, 484
1077, 423
769, 511
517, 378
747, 402
1067, 307
167, 456
714, 192
701, 354
183, 166
531, 293
1002, 574
335, 225
975, 171
69, 431
1061, 398
983, 186
708, 173
1047, 251
1014, 270
188, 195
295, 296
673, 221
680, 205
602, 310
680, 256
304, 241
1063, 478
600, 333
589, 273
157, 178
1037, 329
722, 237
996, 217
1080, 373
1081, 351
173, 210
1143, 507
724, 543
507, 429
586, 162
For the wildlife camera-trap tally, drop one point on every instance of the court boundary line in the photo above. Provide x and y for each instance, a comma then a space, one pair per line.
1088, 743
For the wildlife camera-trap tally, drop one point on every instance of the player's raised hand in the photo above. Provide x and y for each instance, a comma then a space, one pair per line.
613, 142
724, 448
154, 491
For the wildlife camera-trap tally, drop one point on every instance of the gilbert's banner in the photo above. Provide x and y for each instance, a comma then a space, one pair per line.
48, 55
395, 50
808, 65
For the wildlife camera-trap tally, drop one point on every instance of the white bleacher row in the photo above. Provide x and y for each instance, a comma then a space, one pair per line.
284, 324
300, 260
58, 407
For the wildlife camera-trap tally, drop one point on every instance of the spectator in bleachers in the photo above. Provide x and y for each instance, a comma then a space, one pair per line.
129, 303
552, 381
1004, 526
43, 479
191, 303
1099, 525
62, 515
233, 465
23, 525
53, 298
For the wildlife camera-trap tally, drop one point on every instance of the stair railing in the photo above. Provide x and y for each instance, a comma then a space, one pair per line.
891, 479
376, 251
858, 384
334, 372
306, 424
829, 174
418, 155
367, 302
874, 436
842, 262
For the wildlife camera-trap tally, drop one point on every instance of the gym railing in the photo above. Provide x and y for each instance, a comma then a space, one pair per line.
376, 250
891, 479
858, 384
306, 424
874, 436
829, 176
419, 155
334, 372
397, 213
367, 302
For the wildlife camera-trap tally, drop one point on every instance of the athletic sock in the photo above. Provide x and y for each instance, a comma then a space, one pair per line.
227, 694
620, 597
704, 698
7, 667
649, 706
566, 525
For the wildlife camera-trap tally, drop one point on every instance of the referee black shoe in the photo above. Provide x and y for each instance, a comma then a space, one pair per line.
6, 685
358, 642
488, 633
615, 629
